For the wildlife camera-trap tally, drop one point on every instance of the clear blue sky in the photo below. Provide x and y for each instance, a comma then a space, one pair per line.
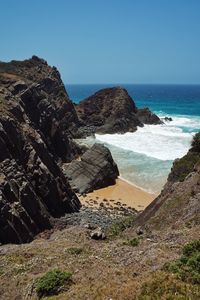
106, 41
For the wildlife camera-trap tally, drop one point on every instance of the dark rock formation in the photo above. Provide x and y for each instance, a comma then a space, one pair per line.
145, 116
96, 169
112, 110
178, 205
167, 119
37, 121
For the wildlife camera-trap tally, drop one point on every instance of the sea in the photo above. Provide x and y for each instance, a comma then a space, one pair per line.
145, 157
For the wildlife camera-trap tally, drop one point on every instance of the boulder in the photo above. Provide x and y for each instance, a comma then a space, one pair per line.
98, 234
96, 169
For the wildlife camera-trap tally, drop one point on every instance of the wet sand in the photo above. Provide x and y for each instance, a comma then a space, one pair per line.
122, 193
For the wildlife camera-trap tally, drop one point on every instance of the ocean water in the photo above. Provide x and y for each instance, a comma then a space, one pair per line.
146, 156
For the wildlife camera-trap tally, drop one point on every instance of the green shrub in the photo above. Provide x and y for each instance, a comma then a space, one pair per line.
166, 287
183, 166
119, 226
180, 279
191, 248
52, 283
196, 142
132, 242
74, 250
187, 267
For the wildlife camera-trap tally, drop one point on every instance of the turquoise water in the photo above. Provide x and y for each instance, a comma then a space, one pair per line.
145, 157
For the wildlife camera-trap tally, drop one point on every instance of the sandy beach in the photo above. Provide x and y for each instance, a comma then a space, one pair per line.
122, 193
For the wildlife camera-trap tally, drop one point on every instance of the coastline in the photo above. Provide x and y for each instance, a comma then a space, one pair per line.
122, 193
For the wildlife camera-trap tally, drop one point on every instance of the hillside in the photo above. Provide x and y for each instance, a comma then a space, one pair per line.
178, 205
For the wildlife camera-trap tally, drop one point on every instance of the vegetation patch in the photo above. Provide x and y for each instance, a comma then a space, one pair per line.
74, 250
182, 167
167, 287
52, 283
187, 267
196, 142
132, 242
119, 226
178, 280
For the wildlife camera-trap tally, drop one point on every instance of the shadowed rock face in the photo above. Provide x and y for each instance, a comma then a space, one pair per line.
95, 170
37, 120
112, 110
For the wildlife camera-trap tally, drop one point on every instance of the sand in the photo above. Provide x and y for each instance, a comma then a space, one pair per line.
124, 192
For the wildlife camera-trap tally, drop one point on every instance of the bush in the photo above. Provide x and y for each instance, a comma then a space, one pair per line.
132, 242
196, 142
119, 226
74, 250
180, 279
191, 248
52, 283
187, 267
183, 166
164, 286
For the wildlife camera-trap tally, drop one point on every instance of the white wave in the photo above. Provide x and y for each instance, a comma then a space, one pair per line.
192, 122
163, 142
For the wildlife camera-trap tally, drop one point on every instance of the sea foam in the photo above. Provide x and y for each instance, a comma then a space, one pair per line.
145, 157
163, 142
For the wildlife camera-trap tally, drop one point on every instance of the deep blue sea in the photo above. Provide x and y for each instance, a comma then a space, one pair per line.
146, 156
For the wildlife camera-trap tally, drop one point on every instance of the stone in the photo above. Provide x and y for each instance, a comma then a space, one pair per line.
96, 169
98, 234
167, 119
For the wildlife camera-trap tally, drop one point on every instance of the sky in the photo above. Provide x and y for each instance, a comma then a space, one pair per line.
106, 41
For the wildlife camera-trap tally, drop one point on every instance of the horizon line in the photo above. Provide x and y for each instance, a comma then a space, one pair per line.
118, 84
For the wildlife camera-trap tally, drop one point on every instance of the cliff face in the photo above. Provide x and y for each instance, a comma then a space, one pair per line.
39, 90
178, 205
112, 110
37, 121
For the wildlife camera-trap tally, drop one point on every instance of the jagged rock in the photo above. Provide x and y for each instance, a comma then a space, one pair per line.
109, 110
147, 117
96, 169
36, 123
112, 110
167, 119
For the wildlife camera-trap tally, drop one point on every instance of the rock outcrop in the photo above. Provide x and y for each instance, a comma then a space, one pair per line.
178, 205
112, 110
37, 121
96, 169
145, 116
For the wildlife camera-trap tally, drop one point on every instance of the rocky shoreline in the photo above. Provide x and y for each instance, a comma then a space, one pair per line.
38, 124
42, 166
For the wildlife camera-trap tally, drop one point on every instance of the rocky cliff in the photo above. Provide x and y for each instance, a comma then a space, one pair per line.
112, 110
37, 121
178, 205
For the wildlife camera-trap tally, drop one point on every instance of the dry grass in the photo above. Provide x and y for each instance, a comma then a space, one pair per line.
106, 269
